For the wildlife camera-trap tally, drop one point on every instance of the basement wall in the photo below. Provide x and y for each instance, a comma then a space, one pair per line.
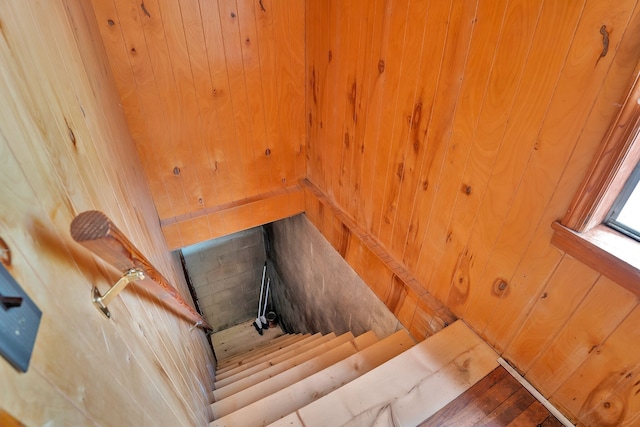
226, 275
314, 289
65, 148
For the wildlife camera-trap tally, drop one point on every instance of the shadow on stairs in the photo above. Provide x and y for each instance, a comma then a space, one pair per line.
314, 380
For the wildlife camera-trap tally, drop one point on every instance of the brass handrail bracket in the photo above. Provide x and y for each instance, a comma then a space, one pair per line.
95, 231
102, 301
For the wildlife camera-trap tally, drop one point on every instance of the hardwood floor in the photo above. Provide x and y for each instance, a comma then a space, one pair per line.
496, 400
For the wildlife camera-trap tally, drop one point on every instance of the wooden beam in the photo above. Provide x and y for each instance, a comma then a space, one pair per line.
96, 232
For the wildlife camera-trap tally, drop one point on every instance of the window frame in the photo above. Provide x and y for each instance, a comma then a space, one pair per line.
612, 218
583, 232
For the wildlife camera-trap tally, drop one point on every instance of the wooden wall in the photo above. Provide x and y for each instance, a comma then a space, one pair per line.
65, 148
454, 133
213, 92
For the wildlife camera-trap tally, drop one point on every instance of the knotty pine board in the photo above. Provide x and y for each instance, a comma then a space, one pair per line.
410, 113
220, 86
66, 148
493, 153
562, 294
535, 99
604, 389
539, 252
546, 158
580, 335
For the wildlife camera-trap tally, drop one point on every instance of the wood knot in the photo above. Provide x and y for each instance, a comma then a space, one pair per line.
500, 287
466, 189
381, 66
176, 171
110, 22
5, 253
233, 14
267, 152
72, 136
330, 56
400, 171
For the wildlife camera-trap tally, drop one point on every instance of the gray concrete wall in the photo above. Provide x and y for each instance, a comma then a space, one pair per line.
226, 275
322, 292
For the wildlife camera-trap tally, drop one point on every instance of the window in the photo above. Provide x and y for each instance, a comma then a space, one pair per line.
624, 216
602, 226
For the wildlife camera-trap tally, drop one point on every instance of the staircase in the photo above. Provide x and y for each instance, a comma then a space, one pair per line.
328, 380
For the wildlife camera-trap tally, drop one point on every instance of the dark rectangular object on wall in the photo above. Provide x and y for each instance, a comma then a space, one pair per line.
19, 322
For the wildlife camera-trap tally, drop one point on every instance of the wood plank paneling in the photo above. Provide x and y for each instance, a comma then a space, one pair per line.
214, 96
515, 99
65, 148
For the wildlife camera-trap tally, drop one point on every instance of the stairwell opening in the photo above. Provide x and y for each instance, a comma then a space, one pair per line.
312, 288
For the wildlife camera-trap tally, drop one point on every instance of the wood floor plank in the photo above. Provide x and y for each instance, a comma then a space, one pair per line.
509, 409
474, 404
534, 415
497, 400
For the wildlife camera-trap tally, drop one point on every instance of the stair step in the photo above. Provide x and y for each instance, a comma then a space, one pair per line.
365, 340
409, 388
224, 362
275, 366
305, 391
250, 367
266, 350
249, 342
271, 385
240, 338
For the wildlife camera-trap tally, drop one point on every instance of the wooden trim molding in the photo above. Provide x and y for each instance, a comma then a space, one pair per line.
611, 168
581, 233
605, 250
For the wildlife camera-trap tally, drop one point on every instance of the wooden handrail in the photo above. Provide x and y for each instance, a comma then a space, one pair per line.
95, 231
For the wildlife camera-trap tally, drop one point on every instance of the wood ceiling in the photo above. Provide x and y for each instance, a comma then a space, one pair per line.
213, 94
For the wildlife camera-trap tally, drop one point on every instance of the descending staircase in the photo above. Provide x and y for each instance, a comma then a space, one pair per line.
315, 380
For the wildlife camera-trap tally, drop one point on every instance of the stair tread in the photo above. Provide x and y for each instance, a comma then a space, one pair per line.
262, 352
222, 362
416, 383
250, 367
301, 393
271, 368
240, 338
328, 357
